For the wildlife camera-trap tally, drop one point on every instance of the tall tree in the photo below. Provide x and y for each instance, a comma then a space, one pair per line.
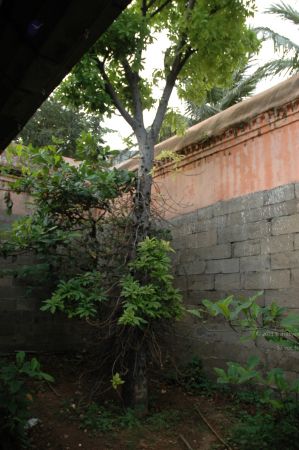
207, 41
53, 120
287, 50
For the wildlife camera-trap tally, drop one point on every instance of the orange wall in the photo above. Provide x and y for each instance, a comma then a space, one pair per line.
261, 156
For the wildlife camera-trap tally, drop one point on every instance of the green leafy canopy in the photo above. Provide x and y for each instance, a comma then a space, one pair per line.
207, 41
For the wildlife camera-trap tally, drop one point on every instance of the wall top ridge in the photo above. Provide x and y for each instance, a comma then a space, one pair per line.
275, 103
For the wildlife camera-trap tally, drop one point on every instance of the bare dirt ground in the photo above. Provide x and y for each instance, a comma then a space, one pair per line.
60, 426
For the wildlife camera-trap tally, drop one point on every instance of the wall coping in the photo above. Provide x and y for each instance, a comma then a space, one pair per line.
237, 116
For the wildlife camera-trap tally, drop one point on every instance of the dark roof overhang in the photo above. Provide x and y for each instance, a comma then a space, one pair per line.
40, 41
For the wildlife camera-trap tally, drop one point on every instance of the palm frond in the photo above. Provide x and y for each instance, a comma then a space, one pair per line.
218, 99
241, 90
197, 113
280, 42
285, 11
284, 66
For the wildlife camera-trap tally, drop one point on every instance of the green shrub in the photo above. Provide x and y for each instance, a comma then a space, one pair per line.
14, 395
268, 431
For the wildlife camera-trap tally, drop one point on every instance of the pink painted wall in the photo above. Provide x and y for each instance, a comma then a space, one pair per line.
261, 156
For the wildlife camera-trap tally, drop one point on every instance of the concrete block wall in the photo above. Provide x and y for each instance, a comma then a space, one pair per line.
239, 246
22, 325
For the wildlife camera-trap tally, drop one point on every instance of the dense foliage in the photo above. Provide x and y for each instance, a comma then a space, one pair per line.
274, 425
81, 231
15, 398
54, 121
206, 41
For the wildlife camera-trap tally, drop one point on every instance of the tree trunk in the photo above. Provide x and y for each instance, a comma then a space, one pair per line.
135, 390
136, 383
142, 207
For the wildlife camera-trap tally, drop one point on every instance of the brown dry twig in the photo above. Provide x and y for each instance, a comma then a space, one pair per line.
211, 428
188, 446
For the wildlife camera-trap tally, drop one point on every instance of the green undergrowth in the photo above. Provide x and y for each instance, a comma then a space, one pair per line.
268, 430
109, 417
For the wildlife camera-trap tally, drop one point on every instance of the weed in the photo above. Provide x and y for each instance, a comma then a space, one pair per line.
108, 418
194, 380
163, 420
15, 397
270, 430
98, 418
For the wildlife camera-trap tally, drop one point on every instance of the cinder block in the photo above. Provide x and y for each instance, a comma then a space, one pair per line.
296, 241
274, 210
8, 304
28, 304
285, 225
204, 239
5, 282
220, 221
227, 281
295, 278
283, 297
192, 268
247, 248
274, 279
239, 204
216, 252
231, 265
196, 297
254, 263
200, 225
7, 323
285, 260
187, 255
203, 282
244, 232
297, 190
205, 213
276, 244
13, 292
180, 282
279, 194
180, 243
235, 218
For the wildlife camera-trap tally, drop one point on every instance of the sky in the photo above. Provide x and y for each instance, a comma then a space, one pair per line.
154, 58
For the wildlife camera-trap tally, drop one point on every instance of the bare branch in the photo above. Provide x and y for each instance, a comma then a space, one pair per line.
151, 3
133, 78
180, 60
178, 64
113, 95
160, 8
144, 8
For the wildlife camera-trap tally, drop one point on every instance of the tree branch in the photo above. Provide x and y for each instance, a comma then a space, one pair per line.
133, 78
144, 8
180, 60
160, 8
113, 95
177, 66
151, 3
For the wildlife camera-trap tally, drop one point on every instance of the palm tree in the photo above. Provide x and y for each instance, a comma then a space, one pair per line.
218, 99
288, 51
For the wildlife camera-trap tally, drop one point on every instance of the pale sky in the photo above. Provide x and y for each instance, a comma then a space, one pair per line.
154, 58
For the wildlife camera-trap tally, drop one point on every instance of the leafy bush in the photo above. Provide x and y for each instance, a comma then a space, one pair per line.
275, 425
83, 227
148, 290
193, 378
268, 431
108, 417
163, 420
14, 395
